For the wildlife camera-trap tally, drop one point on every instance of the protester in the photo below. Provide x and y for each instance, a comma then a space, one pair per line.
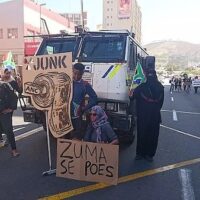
195, 86
15, 83
179, 84
172, 84
81, 88
175, 83
99, 129
6, 112
149, 100
16, 86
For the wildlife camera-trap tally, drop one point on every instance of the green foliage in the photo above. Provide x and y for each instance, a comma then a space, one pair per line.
192, 71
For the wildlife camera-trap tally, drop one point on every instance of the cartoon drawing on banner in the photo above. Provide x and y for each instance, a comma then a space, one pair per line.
48, 81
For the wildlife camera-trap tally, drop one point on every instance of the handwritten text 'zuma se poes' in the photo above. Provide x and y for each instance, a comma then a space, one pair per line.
52, 62
95, 160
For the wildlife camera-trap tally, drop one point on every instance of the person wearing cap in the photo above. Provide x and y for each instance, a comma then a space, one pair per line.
81, 88
149, 98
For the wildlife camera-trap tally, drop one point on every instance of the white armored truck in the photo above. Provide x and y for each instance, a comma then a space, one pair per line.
110, 59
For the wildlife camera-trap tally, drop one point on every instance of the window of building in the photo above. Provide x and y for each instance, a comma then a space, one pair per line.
107, 24
108, 1
12, 33
107, 9
1, 33
107, 17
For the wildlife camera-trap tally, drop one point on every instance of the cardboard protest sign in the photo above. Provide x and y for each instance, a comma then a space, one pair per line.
95, 162
196, 83
48, 81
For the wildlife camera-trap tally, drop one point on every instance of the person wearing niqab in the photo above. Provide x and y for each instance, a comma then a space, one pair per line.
149, 98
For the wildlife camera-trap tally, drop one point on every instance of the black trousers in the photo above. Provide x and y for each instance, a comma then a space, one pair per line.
147, 138
195, 89
7, 127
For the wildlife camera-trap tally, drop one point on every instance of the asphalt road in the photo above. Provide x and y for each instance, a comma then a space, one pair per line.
174, 174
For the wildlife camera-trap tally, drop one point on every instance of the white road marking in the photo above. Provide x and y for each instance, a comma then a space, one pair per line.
17, 129
172, 98
171, 92
178, 131
29, 133
187, 189
183, 112
175, 116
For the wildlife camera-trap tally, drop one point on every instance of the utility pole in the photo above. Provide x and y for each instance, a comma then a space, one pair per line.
42, 4
82, 18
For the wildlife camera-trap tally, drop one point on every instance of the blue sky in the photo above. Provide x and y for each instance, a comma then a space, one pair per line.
161, 19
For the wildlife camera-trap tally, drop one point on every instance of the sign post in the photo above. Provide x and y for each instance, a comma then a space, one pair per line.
47, 80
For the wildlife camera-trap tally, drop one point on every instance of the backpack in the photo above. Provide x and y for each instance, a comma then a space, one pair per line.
8, 98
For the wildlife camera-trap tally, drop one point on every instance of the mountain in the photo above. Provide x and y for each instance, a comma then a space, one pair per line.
176, 53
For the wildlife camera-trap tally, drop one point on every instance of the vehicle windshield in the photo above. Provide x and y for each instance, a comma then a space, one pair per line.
59, 45
103, 49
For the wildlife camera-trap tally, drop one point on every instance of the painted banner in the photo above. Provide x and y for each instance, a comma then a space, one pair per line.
48, 81
95, 162
124, 9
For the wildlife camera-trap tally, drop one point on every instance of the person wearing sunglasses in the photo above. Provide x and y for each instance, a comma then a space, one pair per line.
99, 129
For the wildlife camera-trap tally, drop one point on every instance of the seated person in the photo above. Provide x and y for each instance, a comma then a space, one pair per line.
99, 129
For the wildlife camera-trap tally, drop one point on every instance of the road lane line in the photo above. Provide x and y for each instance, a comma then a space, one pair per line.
178, 131
17, 129
193, 113
24, 135
124, 179
183, 112
175, 116
172, 98
187, 189
29, 133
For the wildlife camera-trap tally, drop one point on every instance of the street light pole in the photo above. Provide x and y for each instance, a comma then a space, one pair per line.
42, 4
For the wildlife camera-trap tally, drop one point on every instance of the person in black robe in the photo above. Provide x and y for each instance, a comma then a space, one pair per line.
149, 98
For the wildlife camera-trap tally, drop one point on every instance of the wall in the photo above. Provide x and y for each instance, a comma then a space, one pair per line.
11, 16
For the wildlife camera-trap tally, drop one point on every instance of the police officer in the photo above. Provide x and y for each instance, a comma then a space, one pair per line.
149, 100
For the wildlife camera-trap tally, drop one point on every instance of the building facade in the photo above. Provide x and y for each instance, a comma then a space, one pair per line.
76, 18
23, 18
122, 14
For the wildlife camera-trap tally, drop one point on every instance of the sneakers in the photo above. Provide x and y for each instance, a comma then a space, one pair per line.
4, 143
